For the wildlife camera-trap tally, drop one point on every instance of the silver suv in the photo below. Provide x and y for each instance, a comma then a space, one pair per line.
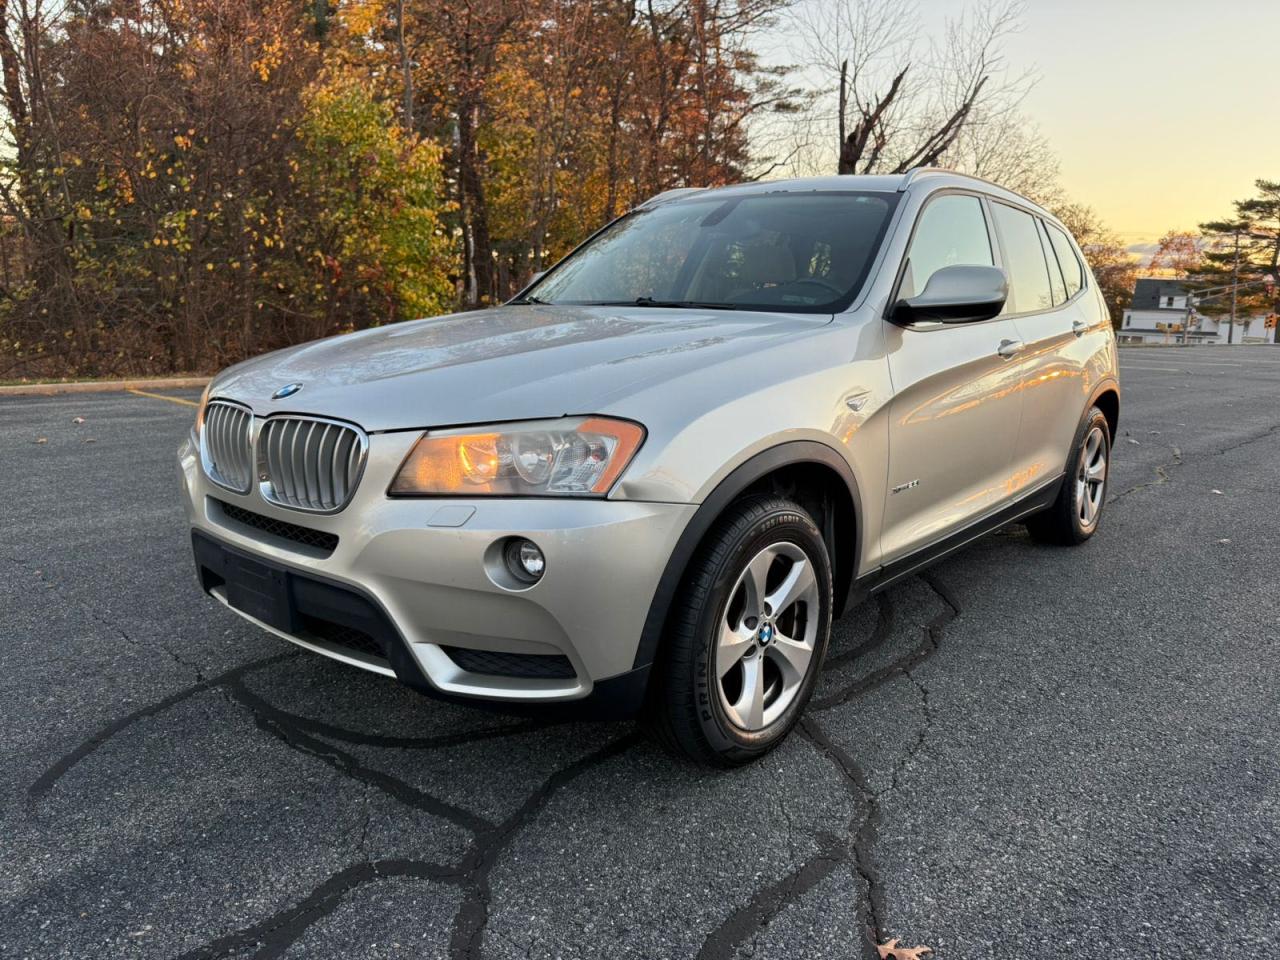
651, 480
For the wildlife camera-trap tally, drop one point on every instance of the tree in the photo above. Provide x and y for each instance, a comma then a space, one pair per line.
1007, 149
557, 115
1114, 268
196, 190
368, 216
1246, 250
1179, 253
902, 103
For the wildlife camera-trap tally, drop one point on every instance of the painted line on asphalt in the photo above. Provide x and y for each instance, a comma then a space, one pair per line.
161, 396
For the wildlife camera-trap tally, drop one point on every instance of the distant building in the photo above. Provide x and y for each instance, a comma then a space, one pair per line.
1159, 310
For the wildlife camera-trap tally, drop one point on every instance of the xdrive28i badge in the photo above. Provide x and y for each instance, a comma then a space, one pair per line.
288, 390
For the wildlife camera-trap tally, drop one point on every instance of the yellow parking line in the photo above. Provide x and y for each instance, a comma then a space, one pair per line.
161, 396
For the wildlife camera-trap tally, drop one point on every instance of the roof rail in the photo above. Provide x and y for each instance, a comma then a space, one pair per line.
670, 195
943, 171
915, 172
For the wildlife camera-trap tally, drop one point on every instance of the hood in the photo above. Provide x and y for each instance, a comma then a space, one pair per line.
508, 363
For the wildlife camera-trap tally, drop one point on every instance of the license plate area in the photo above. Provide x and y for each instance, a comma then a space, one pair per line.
260, 591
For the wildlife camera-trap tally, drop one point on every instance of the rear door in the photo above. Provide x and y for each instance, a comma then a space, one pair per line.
954, 417
1050, 316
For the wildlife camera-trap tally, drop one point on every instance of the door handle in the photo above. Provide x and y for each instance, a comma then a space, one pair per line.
1079, 328
1010, 348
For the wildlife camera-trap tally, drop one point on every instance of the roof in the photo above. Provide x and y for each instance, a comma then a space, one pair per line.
872, 183
1150, 292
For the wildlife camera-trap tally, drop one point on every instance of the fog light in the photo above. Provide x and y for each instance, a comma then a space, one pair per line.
525, 560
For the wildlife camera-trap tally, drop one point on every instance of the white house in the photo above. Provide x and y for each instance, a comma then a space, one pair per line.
1159, 310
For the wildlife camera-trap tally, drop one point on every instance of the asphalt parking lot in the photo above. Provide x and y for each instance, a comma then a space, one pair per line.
1027, 752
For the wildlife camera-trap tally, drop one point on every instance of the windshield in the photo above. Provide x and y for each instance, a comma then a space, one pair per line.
794, 252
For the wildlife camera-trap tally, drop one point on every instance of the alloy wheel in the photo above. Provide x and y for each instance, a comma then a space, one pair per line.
1091, 477
767, 636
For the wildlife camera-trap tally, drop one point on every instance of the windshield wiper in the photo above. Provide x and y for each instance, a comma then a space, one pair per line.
530, 299
694, 304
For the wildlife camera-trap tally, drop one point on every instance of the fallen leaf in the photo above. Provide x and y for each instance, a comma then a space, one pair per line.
90, 440
1134, 442
1218, 492
78, 420
1225, 540
42, 440
890, 948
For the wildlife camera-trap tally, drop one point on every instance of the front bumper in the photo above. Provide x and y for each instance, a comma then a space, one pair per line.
427, 567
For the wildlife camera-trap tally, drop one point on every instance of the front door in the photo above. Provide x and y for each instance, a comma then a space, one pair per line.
957, 404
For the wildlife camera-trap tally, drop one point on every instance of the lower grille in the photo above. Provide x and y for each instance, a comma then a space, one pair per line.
524, 665
342, 636
328, 542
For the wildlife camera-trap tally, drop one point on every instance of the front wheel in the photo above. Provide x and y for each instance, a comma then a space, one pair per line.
747, 634
1075, 514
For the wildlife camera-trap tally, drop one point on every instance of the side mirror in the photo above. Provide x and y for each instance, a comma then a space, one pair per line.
959, 294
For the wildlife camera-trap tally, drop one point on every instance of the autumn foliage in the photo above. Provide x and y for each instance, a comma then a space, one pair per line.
190, 182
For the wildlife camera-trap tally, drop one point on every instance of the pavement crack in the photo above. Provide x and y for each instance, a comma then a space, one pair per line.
754, 916
473, 916
1161, 472
746, 923
271, 938
921, 736
333, 732
278, 724
1177, 460
879, 634
867, 820
902, 665
368, 818
45, 782
92, 613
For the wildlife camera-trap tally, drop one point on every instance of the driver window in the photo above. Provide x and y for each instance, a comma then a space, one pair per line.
951, 231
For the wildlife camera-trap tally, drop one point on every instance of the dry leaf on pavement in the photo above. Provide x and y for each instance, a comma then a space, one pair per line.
890, 949
42, 440
78, 420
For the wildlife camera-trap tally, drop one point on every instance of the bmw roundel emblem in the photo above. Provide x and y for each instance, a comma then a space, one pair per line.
288, 390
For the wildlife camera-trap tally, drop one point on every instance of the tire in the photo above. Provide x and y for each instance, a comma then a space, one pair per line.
735, 674
1076, 514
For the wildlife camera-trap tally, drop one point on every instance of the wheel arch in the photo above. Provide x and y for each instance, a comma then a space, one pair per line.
1106, 397
804, 469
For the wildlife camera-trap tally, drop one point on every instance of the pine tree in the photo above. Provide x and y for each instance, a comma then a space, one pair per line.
1246, 250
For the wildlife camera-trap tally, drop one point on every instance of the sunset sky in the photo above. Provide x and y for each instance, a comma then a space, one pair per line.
1161, 111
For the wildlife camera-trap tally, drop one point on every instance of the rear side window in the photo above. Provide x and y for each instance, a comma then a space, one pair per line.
1067, 259
1024, 260
1055, 274
951, 231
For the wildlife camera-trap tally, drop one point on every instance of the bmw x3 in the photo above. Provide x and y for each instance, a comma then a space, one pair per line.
651, 481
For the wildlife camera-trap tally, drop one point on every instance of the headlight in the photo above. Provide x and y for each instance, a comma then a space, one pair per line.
204, 402
579, 457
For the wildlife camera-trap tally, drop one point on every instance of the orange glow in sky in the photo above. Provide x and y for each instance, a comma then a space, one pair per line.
1162, 111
